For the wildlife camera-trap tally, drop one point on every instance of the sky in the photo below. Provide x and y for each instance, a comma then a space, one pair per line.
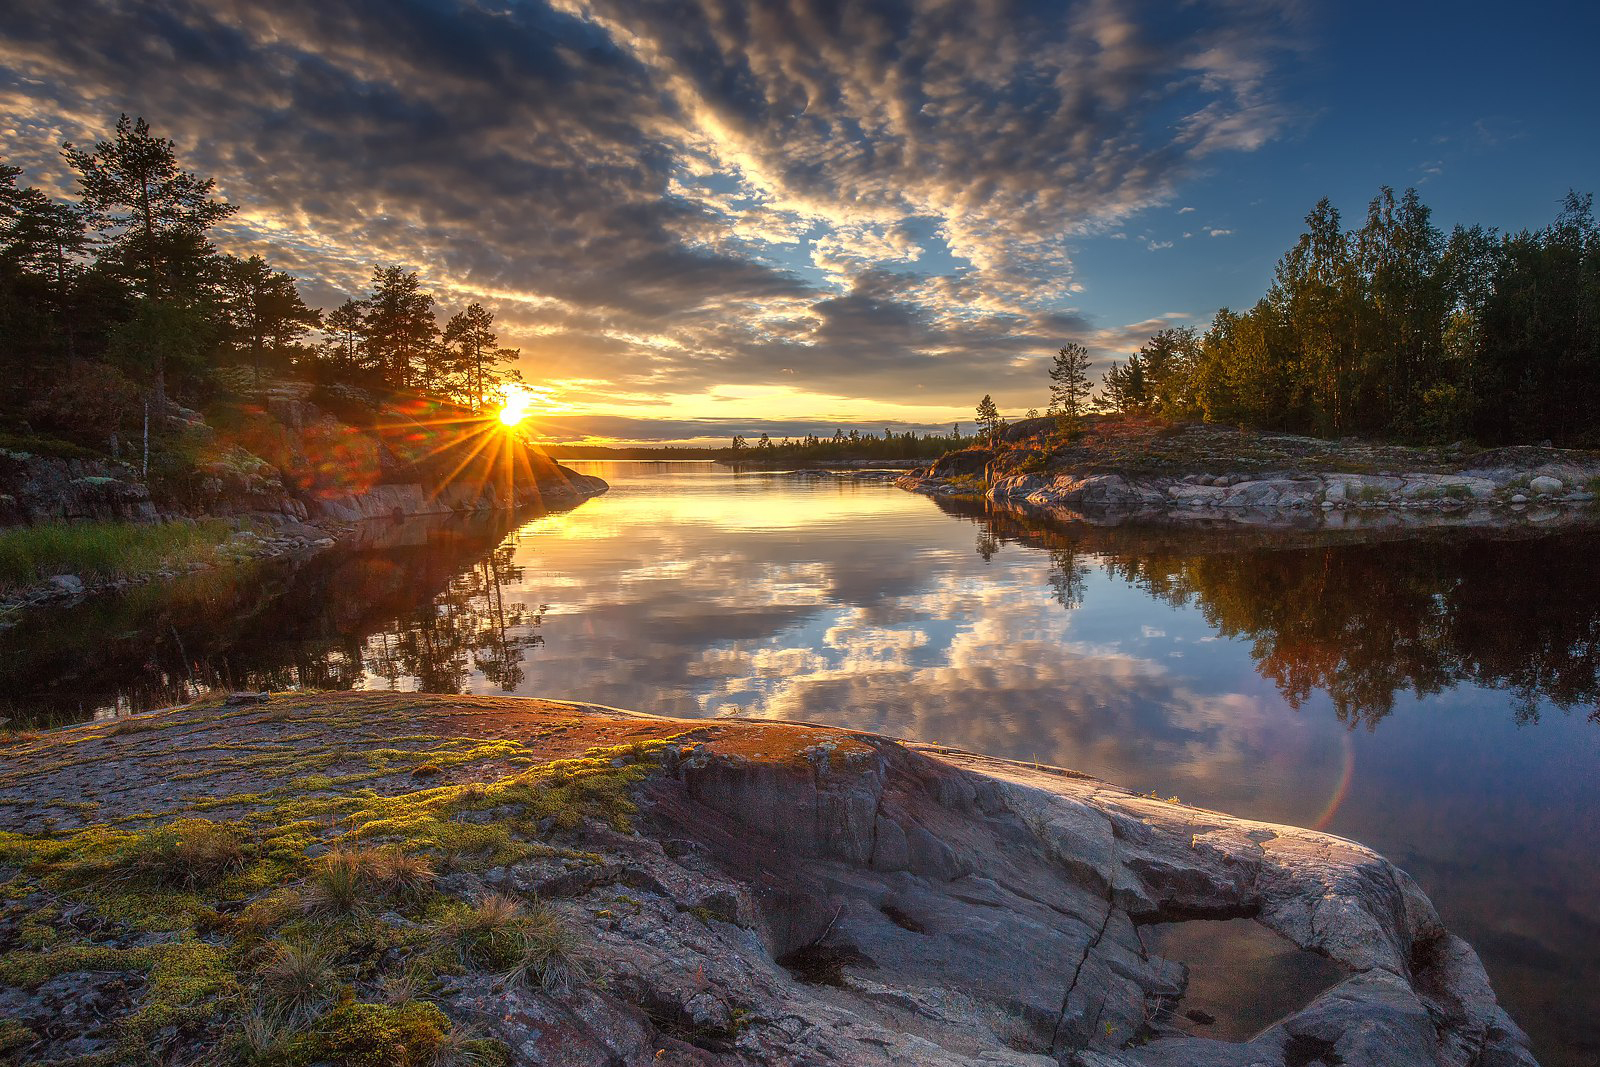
701, 217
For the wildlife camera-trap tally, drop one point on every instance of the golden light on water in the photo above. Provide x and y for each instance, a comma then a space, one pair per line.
515, 405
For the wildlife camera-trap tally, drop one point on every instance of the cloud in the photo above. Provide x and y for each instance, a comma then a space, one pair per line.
663, 196
1219, 233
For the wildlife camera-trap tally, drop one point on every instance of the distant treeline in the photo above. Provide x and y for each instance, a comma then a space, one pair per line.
808, 448
1398, 330
632, 452
116, 298
851, 445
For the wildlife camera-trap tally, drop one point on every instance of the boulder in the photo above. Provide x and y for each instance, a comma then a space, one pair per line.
970, 462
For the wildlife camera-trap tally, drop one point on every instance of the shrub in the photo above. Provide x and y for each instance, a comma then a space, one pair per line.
87, 403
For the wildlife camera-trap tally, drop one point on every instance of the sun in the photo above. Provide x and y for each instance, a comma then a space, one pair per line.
514, 405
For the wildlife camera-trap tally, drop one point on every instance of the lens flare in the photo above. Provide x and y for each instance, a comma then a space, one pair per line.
514, 405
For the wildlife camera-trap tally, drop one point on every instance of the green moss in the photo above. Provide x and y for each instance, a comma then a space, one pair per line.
13, 1035
187, 979
226, 891
29, 970
374, 1035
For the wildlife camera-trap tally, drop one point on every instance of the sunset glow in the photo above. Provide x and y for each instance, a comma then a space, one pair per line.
515, 406
865, 211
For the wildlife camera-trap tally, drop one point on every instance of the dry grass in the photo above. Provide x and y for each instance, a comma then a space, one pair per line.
525, 942
345, 878
187, 853
297, 980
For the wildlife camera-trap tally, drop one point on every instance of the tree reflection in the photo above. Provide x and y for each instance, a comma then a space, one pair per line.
1364, 622
426, 613
1069, 574
468, 626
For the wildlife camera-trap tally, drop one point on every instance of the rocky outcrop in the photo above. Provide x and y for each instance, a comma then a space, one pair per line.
790, 893
284, 458
563, 489
35, 488
1507, 486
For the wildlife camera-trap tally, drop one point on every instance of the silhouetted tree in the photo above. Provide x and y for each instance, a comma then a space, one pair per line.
154, 215
989, 421
263, 311
400, 328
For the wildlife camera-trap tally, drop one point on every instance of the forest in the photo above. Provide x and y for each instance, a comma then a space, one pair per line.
116, 302
1396, 330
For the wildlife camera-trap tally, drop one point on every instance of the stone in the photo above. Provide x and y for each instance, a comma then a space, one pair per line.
69, 584
1545, 484
1519, 498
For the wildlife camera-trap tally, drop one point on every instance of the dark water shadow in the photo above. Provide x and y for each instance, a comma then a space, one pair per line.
1243, 977
420, 604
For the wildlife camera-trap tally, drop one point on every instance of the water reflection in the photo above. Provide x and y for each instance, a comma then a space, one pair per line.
468, 628
427, 604
1361, 622
1231, 669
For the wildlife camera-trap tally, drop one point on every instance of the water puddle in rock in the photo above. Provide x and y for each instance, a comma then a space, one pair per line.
1243, 977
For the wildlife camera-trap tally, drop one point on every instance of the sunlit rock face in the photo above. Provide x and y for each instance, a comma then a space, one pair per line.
788, 894
994, 910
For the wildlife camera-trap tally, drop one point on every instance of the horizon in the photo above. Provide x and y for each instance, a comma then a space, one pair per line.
787, 222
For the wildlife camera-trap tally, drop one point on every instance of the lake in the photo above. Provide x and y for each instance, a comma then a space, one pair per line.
1435, 699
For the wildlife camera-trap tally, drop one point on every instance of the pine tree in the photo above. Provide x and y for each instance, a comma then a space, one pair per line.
470, 334
1069, 385
401, 329
155, 215
344, 329
263, 310
989, 419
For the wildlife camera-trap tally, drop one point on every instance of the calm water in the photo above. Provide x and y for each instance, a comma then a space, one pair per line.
1436, 700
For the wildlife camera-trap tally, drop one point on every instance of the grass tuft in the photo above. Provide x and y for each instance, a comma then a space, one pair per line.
527, 943
187, 854
298, 979
345, 878
103, 550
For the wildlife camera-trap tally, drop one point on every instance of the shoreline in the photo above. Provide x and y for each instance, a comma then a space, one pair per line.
1187, 474
344, 522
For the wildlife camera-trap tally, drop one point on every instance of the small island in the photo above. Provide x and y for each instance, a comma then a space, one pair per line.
1130, 469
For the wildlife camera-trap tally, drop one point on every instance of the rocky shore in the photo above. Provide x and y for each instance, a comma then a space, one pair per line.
292, 477
1205, 474
313, 878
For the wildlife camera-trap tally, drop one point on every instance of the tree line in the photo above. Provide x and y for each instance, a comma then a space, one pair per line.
1396, 329
846, 445
115, 299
